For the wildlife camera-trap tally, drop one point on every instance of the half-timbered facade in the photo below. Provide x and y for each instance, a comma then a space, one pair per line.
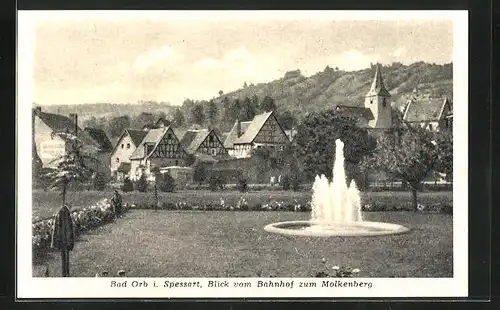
203, 141
263, 130
160, 148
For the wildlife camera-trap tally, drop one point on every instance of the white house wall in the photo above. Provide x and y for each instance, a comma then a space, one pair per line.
48, 148
122, 154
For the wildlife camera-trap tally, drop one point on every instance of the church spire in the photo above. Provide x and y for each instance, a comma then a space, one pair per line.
378, 87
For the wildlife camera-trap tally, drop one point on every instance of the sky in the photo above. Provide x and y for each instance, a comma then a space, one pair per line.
111, 60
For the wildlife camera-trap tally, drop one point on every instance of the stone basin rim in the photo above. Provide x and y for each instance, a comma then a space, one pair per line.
385, 229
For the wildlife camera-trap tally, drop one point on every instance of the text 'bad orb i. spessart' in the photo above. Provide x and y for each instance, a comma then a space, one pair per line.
240, 284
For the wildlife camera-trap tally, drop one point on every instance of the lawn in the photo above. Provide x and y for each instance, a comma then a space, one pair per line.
234, 244
46, 203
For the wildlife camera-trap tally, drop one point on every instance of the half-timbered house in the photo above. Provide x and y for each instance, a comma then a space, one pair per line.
263, 130
126, 145
434, 114
47, 146
160, 148
203, 141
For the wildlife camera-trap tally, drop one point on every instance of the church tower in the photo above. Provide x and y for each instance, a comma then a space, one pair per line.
378, 101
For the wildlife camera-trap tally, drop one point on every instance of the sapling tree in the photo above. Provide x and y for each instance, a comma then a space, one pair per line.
72, 165
409, 156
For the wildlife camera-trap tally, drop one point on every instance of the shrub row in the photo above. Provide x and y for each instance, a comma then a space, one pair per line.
297, 205
83, 220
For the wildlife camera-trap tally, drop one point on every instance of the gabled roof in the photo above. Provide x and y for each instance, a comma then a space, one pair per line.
254, 128
161, 121
136, 135
100, 137
363, 112
425, 110
61, 123
378, 87
192, 139
57, 122
232, 136
153, 136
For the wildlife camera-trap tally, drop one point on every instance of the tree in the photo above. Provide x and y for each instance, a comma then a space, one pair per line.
444, 164
118, 124
197, 114
286, 120
256, 103
268, 104
221, 92
212, 113
99, 181
72, 166
235, 109
145, 118
409, 157
178, 119
248, 110
315, 143
141, 185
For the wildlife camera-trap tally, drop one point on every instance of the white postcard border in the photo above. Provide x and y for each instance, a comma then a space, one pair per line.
29, 287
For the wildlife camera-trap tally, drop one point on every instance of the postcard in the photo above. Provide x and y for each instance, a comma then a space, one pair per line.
242, 154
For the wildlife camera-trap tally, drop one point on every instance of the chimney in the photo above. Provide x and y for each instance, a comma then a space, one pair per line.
238, 128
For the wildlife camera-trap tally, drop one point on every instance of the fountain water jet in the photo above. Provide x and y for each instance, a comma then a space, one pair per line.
335, 209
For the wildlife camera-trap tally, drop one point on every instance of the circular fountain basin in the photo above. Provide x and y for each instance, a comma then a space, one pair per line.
355, 229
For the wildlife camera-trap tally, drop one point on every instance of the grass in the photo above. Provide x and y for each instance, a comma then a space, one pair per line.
47, 203
233, 244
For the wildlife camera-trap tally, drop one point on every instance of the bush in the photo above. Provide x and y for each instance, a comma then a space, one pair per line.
127, 185
141, 185
243, 185
165, 183
216, 182
99, 181
295, 182
285, 182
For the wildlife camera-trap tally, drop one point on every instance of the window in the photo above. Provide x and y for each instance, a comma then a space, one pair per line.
176, 162
117, 160
371, 100
214, 152
430, 126
128, 145
122, 145
169, 137
384, 103
211, 139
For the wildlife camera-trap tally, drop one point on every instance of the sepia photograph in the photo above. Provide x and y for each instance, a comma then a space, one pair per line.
233, 153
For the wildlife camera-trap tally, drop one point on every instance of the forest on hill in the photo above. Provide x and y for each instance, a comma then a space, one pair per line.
291, 96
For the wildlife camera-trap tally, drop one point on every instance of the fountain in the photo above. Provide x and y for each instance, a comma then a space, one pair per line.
335, 209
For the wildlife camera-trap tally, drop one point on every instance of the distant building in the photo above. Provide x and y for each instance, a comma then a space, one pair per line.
203, 141
47, 147
376, 112
126, 145
160, 148
429, 113
291, 133
263, 130
105, 147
